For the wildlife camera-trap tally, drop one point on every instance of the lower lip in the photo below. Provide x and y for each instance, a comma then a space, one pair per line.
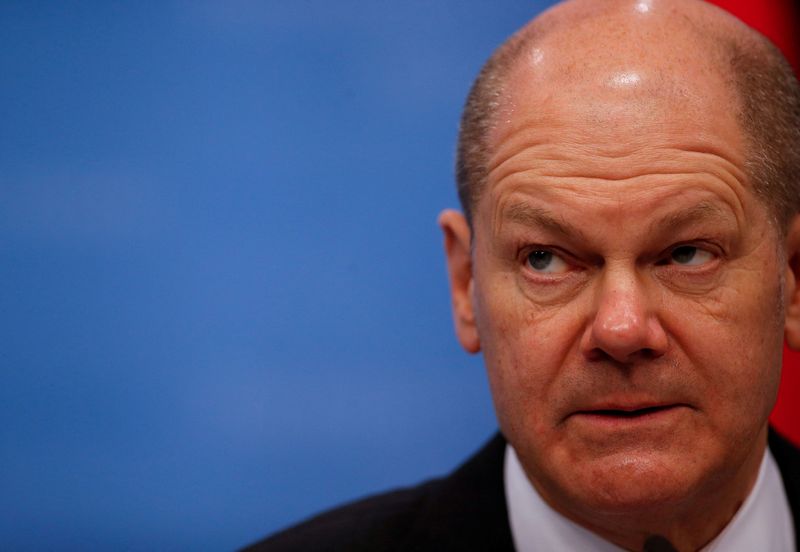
611, 420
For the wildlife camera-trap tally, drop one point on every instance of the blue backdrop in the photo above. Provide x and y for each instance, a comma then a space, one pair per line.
223, 297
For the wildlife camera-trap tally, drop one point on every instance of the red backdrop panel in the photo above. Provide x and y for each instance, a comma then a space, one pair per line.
778, 20
786, 414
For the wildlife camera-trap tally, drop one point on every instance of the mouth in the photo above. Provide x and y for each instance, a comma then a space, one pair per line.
628, 412
629, 415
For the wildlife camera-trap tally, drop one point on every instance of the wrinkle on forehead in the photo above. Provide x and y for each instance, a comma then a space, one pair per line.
547, 203
613, 157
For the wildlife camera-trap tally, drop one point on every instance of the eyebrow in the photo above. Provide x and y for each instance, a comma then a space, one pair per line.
702, 211
528, 215
531, 216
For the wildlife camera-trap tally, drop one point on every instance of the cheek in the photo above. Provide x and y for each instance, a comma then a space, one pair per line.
733, 339
525, 348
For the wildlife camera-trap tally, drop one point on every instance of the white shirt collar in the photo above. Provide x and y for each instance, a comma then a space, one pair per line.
762, 523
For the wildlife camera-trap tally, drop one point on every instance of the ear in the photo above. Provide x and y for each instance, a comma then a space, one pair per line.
792, 329
457, 248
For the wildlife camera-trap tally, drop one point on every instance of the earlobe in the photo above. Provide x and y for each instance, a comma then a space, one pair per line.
792, 327
457, 248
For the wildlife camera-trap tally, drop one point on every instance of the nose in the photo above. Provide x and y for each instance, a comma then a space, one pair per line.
625, 325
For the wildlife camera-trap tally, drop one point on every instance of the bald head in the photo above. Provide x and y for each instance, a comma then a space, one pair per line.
663, 59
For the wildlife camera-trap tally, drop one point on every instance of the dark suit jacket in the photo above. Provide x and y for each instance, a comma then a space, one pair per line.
463, 511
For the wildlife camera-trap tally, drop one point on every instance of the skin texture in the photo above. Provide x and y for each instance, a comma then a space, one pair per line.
628, 290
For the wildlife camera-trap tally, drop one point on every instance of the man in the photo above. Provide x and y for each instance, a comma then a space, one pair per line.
626, 263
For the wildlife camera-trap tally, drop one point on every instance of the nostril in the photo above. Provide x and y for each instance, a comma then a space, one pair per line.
650, 354
598, 354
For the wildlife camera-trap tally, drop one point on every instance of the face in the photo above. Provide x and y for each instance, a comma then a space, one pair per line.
627, 291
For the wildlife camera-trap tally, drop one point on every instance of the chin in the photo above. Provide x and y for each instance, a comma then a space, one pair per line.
630, 484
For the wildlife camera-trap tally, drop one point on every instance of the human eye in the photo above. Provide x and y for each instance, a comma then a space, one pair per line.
690, 255
544, 261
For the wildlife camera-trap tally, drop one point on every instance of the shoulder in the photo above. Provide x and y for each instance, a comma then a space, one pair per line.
366, 524
465, 509
787, 456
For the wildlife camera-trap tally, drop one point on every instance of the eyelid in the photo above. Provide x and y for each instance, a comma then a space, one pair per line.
564, 257
712, 249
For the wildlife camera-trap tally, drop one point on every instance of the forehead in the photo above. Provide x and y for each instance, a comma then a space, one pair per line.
617, 95
609, 100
